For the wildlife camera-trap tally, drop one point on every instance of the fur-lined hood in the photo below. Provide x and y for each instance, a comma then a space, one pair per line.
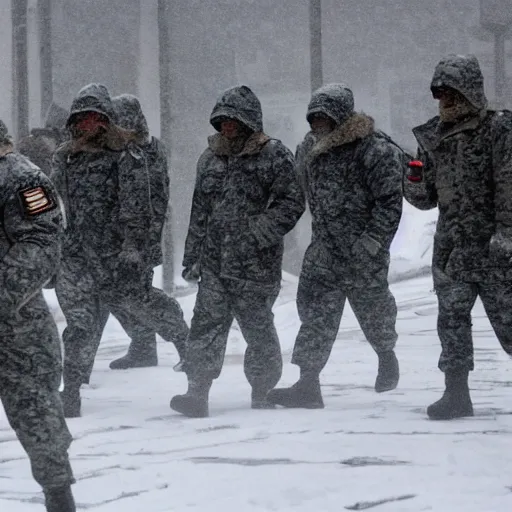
254, 144
358, 126
93, 98
239, 103
333, 100
114, 139
462, 73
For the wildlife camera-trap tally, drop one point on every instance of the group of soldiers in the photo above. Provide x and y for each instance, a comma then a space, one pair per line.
91, 227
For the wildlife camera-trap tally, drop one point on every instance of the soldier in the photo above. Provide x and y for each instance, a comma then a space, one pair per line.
464, 168
352, 175
142, 351
30, 357
246, 199
103, 179
40, 145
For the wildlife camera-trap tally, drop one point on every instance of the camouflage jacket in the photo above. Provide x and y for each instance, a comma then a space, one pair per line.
243, 204
106, 193
131, 117
30, 237
468, 176
156, 157
352, 178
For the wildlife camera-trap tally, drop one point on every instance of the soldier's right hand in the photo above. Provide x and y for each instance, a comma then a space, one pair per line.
415, 171
192, 274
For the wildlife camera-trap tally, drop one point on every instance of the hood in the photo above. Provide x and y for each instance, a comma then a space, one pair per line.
93, 98
56, 117
130, 116
239, 103
462, 73
333, 100
6, 145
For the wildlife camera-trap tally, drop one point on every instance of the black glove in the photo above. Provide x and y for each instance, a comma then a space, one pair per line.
415, 171
192, 274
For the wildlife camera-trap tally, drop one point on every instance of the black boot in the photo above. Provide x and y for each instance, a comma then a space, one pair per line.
71, 401
305, 393
194, 403
456, 401
389, 372
142, 353
59, 500
259, 399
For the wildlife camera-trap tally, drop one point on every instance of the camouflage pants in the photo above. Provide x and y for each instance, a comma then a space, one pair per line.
84, 304
320, 303
218, 302
34, 410
138, 333
456, 300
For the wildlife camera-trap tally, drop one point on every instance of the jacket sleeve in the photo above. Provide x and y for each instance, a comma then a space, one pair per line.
33, 225
134, 199
384, 180
422, 194
502, 172
198, 223
286, 203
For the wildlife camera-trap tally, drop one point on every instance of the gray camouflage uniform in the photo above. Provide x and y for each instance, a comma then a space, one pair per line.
142, 350
30, 355
106, 192
352, 178
243, 205
40, 145
468, 176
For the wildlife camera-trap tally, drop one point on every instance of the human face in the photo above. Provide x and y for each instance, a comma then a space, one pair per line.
230, 128
89, 123
321, 125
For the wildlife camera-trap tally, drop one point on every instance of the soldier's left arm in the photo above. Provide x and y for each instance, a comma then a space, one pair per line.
384, 168
135, 209
286, 202
33, 224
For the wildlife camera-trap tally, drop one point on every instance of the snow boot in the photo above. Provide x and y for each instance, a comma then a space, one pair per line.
71, 401
259, 399
59, 500
456, 400
304, 394
194, 403
389, 372
141, 354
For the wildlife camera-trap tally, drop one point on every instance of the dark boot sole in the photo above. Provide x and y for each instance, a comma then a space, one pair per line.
189, 407
383, 388
452, 416
133, 364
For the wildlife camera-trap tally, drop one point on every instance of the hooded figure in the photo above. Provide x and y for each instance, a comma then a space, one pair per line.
352, 178
30, 355
103, 179
42, 143
246, 198
143, 350
464, 169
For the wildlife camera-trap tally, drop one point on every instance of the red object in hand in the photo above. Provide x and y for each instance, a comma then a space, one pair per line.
415, 173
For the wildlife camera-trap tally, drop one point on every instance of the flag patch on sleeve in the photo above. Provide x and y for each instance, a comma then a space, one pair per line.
36, 201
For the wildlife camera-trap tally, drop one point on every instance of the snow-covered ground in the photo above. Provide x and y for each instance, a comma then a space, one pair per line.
132, 453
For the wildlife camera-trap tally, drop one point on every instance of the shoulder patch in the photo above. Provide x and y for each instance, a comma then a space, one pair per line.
36, 200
